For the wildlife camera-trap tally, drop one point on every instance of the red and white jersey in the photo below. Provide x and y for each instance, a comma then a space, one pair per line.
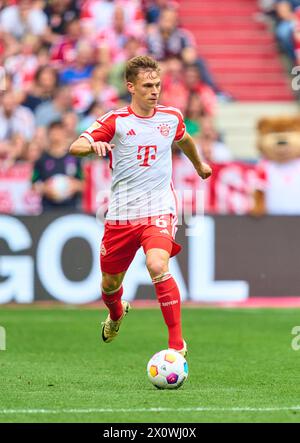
281, 185
141, 160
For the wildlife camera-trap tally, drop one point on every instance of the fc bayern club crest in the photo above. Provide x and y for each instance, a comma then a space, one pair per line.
164, 129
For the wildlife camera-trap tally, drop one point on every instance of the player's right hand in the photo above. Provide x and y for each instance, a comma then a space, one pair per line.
204, 171
101, 148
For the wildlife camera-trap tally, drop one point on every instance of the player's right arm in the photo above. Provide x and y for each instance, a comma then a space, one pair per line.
96, 139
82, 147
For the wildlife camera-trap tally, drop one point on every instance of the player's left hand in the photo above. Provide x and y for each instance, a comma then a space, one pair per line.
204, 171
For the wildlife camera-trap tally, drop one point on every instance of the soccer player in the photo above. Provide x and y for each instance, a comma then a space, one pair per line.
142, 209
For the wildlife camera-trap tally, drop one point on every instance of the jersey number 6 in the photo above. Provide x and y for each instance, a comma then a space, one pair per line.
161, 223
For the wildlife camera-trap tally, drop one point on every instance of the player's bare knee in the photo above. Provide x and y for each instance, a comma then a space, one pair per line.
156, 266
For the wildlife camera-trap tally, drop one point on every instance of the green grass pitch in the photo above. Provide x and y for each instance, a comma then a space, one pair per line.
242, 367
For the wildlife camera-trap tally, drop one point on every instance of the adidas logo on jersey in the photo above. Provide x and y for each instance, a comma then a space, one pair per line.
131, 132
164, 231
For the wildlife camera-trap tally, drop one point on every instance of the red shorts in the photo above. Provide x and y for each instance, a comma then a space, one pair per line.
122, 239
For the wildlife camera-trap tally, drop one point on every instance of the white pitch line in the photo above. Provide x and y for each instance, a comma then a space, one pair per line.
131, 410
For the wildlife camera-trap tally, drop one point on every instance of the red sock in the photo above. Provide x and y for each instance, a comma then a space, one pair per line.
169, 299
113, 302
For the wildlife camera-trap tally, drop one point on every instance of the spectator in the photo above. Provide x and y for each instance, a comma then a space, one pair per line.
167, 39
15, 119
6, 83
23, 65
174, 90
190, 57
134, 14
18, 147
5, 160
212, 149
40, 138
193, 114
59, 14
43, 88
96, 15
114, 38
194, 83
296, 36
33, 152
94, 111
43, 56
63, 51
25, 17
154, 8
133, 47
70, 121
9, 46
50, 111
57, 176
267, 7
286, 18
97, 89
11, 152
83, 65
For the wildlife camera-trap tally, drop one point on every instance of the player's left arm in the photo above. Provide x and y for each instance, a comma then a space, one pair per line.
188, 147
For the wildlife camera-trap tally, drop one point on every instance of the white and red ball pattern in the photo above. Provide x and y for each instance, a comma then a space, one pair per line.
167, 369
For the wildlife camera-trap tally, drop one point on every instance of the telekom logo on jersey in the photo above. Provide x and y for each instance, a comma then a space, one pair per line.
144, 153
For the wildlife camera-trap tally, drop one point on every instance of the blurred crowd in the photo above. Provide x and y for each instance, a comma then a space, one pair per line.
284, 17
64, 65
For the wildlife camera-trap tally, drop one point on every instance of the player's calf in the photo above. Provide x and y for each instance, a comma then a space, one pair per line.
112, 300
167, 292
169, 299
112, 292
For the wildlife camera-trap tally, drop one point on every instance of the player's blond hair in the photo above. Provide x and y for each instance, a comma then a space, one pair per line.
137, 64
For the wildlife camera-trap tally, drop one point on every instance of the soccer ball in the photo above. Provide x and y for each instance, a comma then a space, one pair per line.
167, 369
60, 184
